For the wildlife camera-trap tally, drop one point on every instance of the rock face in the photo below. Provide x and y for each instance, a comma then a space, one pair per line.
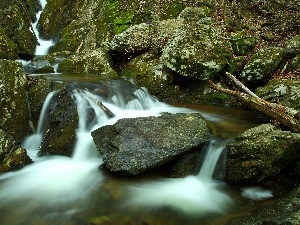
13, 103
261, 152
133, 146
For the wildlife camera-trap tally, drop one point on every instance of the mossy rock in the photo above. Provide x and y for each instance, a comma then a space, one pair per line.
8, 49
74, 26
13, 103
95, 62
14, 20
236, 65
261, 152
168, 86
198, 48
286, 92
242, 43
293, 45
262, 64
12, 156
294, 64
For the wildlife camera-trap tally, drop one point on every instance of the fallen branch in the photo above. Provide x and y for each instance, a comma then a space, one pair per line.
99, 103
286, 116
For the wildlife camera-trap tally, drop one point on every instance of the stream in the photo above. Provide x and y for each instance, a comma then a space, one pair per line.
74, 190
60, 190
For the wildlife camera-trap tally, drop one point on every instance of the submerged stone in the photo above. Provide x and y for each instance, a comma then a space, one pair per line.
135, 145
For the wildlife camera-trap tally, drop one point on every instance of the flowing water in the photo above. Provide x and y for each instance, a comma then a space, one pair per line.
44, 45
73, 190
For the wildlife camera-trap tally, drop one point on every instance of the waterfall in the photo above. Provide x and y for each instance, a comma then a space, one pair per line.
32, 143
213, 152
44, 45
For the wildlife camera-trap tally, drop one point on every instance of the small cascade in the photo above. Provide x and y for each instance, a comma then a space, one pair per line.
193, 195
213, 152
33, 142
44, 45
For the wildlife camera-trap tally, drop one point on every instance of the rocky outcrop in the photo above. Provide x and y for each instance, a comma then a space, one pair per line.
135, 145
261, 152
93, 62
14, 112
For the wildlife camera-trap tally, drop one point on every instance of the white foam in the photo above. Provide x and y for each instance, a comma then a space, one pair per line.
256, 193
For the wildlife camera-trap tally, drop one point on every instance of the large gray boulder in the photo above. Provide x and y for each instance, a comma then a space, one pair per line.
135, 145
261, 152
14, 115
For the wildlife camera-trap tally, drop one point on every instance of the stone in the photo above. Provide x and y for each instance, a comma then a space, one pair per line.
262, 64
14, 112
198, 48
261, 152
135, 145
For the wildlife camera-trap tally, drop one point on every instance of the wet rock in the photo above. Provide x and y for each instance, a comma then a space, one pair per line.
287, 92
38, 91
12, 156
133, 146
13, 103
199, 48
262, 64
261, 152
60, 133
283, 211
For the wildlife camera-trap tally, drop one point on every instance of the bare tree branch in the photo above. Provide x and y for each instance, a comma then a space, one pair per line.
286, 116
